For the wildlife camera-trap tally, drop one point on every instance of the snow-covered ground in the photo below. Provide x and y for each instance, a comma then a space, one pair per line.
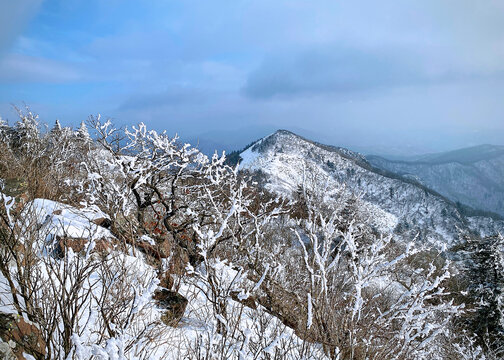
142, 334
65, 220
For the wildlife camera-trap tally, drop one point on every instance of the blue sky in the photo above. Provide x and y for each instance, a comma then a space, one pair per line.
377, 76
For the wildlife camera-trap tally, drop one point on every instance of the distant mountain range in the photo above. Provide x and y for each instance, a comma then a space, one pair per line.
472, 176
393, 198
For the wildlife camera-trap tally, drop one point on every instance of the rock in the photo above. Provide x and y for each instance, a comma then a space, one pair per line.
20, 336
179, 261
157, 250
250, 301
16, 187
78, 245
150, 250
166, 280
174, 303
103, 222
103, 246
165, 247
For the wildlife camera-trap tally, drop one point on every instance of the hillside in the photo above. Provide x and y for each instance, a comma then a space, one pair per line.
472, 176
288, 160
148, 249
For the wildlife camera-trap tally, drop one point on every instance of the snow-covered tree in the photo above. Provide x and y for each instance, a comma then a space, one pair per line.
26, 134
56, 130
4, 130
304, 277
82, 134
484, 277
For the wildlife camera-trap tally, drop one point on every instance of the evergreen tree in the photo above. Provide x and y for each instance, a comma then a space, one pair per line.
56, 130
5, 131
67, 133
54, 137
26, 134
82, 137
82, 133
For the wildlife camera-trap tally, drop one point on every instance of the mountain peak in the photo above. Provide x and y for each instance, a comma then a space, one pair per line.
284, 132
288, 160
283, 139
278, 136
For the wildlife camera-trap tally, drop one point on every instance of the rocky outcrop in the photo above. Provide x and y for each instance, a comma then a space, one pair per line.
103, 222
166, 280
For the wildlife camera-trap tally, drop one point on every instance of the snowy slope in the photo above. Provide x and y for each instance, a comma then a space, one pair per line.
137, 281
473, 176
290, 161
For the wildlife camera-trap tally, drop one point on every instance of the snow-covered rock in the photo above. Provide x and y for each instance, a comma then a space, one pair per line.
67, 221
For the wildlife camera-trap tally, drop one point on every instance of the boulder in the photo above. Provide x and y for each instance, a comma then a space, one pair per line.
250, 301
78, 245
103, 222
165, 248
174, 305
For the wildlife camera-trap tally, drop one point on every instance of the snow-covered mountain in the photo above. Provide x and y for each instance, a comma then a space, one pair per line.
473, 176
289, 161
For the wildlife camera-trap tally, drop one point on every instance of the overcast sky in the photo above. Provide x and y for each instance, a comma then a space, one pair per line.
378, 76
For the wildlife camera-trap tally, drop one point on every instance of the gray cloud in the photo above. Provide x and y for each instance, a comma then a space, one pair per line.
337, 47
362, 72
173, 97
337, 70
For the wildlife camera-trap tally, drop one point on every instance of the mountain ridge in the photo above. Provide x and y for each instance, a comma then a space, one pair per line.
283, 156
472, 176
476, 153
363, 161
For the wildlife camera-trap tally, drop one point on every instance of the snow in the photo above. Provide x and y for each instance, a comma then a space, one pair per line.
261, 280
112, 293
289, 161
199, 322
248, 158
148, 239
65, 220
288, 170
309, 321
249, 155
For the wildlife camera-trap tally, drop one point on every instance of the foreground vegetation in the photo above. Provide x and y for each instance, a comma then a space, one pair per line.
186, 257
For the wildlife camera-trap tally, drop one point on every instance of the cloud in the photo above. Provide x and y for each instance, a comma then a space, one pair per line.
357, 70
16, 68
173, 97
337, 70
335, 47
14, 16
